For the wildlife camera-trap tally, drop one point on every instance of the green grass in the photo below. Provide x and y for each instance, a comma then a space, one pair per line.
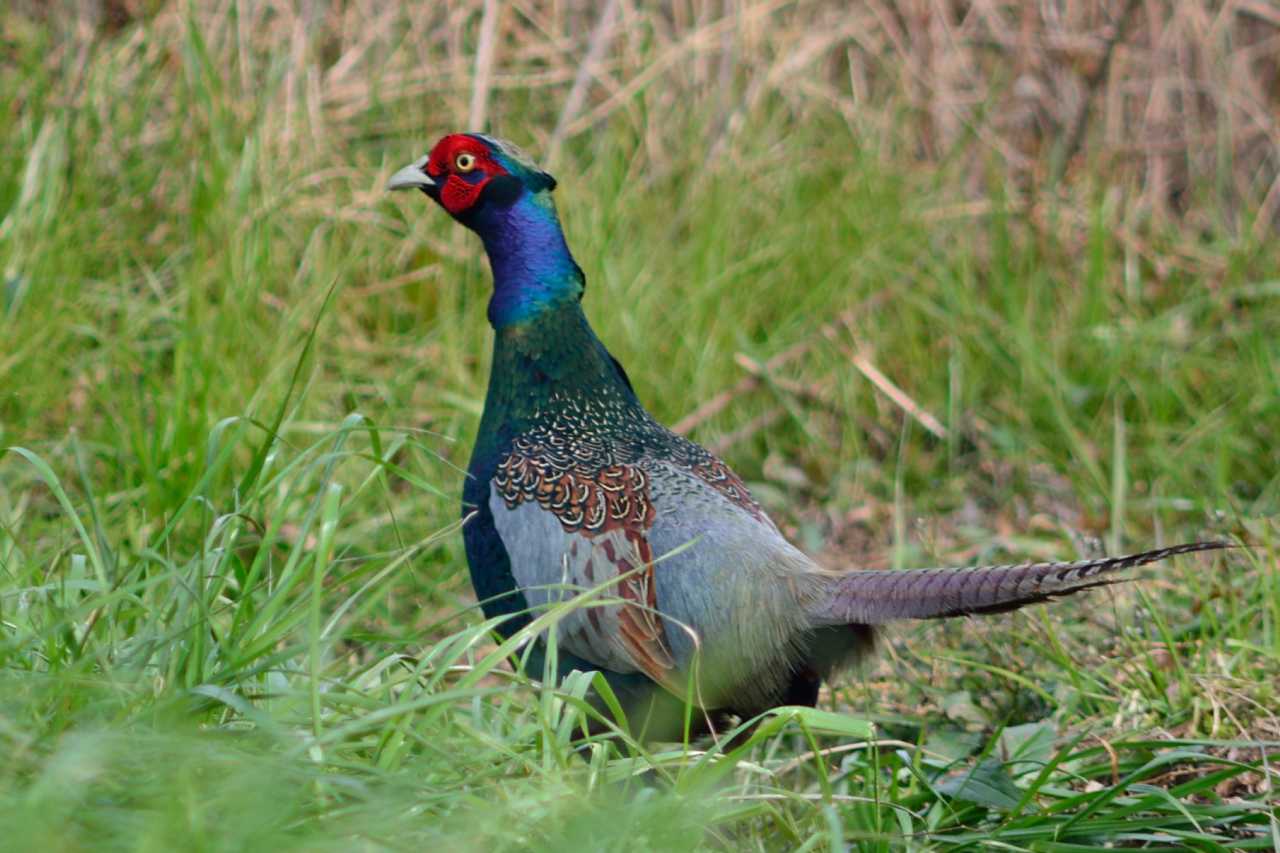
238, 383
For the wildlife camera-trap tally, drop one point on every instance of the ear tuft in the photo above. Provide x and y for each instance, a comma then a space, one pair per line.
537, 180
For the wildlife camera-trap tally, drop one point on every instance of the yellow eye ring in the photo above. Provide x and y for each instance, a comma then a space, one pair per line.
464, 162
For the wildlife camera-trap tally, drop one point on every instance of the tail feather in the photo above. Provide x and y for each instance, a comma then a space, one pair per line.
876, 597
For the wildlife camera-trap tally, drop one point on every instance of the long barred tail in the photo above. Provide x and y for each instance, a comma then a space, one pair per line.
876, 597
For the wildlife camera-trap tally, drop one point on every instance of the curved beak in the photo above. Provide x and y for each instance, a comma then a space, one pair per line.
411, 177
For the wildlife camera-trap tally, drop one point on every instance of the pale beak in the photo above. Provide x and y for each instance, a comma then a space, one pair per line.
411, 177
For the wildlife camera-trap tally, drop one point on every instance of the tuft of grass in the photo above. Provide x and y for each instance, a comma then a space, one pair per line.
238, 383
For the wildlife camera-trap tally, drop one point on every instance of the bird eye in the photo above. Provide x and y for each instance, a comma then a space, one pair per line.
464, 162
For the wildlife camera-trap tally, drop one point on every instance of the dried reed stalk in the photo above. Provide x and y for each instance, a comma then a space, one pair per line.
1173, 101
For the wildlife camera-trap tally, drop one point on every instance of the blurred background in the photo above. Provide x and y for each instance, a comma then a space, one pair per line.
944, 281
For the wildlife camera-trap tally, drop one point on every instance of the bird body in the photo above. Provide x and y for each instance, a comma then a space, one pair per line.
572, 483
573, 486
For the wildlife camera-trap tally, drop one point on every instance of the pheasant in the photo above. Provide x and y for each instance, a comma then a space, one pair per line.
573, 486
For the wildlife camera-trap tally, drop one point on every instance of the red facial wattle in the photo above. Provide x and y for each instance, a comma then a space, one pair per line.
459, 191
457, 194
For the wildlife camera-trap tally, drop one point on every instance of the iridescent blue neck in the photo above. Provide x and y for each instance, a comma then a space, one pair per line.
532, 267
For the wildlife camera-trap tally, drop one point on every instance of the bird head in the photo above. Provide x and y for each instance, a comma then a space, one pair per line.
471, 175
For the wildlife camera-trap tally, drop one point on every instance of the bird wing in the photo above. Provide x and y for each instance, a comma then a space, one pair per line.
691, 575
567, 531
727, 581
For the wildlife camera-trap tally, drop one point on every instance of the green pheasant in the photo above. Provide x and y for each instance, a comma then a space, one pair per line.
573, 485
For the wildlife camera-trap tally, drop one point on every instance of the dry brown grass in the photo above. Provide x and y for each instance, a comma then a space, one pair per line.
1175, 102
